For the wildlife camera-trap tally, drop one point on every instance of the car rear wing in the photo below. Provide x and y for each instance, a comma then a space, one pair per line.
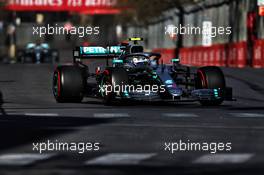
96, 52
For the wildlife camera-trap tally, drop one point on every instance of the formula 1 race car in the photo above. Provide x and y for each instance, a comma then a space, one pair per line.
38, 53
137, 75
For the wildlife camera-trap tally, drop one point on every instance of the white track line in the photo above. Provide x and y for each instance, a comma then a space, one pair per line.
248, 115
223, 158
14, 113
33, 114
41, 114
120, 159
110, 115
22, 159
180, 115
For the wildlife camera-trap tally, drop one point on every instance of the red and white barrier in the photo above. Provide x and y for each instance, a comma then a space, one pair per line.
258, 56
230, 55
241, 54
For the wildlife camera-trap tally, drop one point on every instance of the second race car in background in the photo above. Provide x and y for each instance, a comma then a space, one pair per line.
38, 53
132, 67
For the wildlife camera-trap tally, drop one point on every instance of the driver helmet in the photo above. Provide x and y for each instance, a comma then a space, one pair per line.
140, 60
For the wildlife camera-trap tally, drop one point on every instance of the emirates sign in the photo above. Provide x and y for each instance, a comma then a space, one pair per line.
83, 6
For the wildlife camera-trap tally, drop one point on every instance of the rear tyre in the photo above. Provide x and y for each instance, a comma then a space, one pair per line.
210, 77
68, 84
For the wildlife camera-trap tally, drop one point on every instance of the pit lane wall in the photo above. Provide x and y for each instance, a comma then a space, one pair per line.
227, 55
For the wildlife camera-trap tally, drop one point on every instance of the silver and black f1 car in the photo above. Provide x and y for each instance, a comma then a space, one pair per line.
38, 53
137, 75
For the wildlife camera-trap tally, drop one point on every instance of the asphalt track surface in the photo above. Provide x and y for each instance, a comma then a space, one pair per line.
132, 137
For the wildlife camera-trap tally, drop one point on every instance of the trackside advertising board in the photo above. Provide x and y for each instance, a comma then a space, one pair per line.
82, 6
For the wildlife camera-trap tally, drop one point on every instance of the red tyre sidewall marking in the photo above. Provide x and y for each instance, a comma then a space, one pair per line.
58, 82
203, 78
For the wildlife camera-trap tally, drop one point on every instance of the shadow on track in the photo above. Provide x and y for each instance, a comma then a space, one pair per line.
161, 104
16, 130
48, 122
1, 104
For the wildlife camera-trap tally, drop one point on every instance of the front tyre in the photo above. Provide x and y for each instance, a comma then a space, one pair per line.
106, 90
210, 77
68, 84
112, 79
